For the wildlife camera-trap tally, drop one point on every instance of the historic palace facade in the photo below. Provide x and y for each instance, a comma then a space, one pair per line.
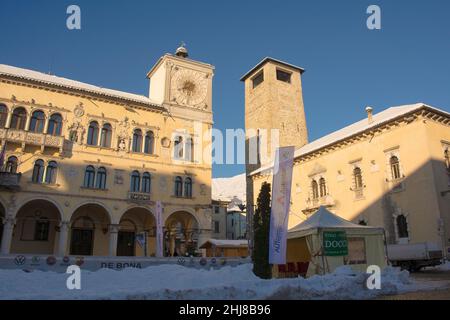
84, 166
391, 169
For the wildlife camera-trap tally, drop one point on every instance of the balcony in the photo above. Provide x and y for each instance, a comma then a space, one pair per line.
10, 181
312, 205
32, 138
139, 197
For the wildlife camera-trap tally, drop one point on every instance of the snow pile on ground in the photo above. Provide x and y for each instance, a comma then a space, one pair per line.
444, 267
178, 282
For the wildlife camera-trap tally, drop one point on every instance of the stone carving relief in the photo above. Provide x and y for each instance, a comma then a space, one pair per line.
52, 141
203, 189
72, 172
123, 134
165, 142
76, 132
34, 138
118, 177
16, 135
163, 183
79, 111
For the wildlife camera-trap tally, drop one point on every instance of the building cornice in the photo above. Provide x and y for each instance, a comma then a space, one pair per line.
81, 92
423, 112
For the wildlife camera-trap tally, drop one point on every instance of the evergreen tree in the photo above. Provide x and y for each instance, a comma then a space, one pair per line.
261, 226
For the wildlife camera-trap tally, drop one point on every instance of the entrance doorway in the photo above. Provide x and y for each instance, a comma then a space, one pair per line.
82, 242
125, 244
89, 231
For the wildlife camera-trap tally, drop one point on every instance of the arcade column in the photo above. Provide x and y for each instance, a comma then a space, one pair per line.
8, 228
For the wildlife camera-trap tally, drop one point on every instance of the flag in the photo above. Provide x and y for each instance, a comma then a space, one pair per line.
159, 231
281, 200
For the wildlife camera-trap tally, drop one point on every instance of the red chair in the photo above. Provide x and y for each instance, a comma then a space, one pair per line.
282, 270
302, 268
291, 269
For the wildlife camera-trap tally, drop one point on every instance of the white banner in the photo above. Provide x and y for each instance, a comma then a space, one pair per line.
281, 200
159, 230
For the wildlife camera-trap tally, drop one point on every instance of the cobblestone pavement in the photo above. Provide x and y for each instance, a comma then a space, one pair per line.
432, 277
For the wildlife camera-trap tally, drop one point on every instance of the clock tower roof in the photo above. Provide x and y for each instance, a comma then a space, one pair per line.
174, 57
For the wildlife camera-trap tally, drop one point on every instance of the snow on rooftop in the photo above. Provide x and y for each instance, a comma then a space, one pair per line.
227, 189
70, 84
355, 128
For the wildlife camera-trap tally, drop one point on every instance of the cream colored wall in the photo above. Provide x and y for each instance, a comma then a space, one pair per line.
416, 144
158, 85
68, 193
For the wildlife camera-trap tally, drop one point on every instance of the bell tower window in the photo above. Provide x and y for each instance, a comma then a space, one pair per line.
283, 76
258, 79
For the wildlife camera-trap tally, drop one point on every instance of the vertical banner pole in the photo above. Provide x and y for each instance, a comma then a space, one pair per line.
159, 234
281, 202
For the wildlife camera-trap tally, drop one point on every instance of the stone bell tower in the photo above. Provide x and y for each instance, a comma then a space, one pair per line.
273, 100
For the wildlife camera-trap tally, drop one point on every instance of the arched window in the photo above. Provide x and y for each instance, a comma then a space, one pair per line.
55, 125
315, 189
149, 145
188, 188
11, 164
146, 182
402, 227
357, 174
18, 119
92, 138
178, 148
190, 149
38, 171
89, 177
323, 187
395, 168
50, 174
135, 181
105, 138
101, 178
3, 115
178, 187
37, 122
362, 223
137, 140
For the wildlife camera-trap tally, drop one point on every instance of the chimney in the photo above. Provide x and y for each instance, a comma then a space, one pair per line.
369, 111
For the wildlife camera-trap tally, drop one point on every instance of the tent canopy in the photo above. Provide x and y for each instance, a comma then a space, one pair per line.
324, 219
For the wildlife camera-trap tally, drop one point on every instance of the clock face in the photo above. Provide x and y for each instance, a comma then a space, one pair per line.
189, 87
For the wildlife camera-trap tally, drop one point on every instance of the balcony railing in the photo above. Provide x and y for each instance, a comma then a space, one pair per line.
32, 138
10, 181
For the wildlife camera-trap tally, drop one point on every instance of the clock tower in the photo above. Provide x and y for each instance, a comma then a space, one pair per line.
182, 85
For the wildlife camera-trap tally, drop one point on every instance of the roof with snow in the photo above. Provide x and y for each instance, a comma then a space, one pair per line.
324, 219
229, 189
64, 83
378, 119
225, 243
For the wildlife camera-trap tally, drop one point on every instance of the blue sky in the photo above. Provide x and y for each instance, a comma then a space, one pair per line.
347, 65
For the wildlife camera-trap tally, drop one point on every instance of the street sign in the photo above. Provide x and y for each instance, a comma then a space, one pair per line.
335, 243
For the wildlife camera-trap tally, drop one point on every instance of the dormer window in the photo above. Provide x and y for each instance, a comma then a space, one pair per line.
258, 79
283, 76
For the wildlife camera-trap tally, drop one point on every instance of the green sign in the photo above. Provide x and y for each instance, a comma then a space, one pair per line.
335, 243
